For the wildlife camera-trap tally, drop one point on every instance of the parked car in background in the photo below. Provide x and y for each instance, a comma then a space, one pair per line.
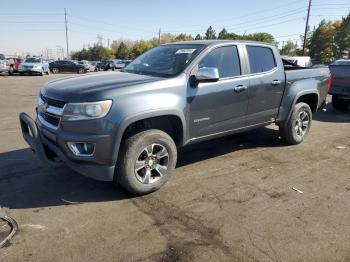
126, 127
119, 64
14, 65
340, 87
127, 62
34, 65
88, 66
105, 65
4, 64
66, 66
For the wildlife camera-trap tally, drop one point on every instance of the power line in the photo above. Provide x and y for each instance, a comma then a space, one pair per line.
239, 17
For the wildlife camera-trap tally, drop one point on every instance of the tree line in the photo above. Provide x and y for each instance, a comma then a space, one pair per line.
329, 41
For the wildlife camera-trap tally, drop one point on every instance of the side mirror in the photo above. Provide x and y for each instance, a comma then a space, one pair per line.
207, 75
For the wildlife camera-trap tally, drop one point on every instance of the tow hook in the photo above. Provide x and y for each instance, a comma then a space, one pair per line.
12, 224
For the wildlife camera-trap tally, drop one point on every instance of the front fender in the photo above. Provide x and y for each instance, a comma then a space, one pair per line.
141, 116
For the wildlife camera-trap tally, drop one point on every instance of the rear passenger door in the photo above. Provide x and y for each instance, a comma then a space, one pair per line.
220, 106
266, 84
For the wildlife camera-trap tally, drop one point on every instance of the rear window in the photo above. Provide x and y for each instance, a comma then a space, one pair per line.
2, 57
261, 59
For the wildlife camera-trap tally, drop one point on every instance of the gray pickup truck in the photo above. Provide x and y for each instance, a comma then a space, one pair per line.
126, 126
340, 86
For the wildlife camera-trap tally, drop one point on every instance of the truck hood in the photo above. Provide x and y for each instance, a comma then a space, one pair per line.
93, 87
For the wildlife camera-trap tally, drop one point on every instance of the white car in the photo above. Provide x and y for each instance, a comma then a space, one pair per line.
4, 64
89, 67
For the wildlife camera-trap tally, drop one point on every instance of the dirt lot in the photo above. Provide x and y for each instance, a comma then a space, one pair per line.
230, 199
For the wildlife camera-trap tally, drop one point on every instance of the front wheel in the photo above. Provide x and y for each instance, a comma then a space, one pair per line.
298, 126
146, 161
11, 71
340, 104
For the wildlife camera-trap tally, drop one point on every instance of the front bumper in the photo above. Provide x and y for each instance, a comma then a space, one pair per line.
30, 70
53, 153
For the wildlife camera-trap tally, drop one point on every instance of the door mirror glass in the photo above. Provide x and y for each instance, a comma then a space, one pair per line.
207, 75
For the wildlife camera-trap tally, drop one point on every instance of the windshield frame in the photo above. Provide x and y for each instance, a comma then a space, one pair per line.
199, 47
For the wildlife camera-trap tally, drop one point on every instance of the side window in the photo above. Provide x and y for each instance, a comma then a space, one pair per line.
261, 59
225, 59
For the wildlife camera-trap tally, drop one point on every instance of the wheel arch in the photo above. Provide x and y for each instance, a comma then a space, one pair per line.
170, 121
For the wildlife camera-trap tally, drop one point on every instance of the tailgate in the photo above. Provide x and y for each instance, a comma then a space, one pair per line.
341, 79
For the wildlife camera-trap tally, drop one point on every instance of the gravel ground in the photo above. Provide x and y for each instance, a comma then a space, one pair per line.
230, 199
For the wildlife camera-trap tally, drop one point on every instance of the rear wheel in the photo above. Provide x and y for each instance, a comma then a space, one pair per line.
55, 70
11, 71
339, 103
81, 70
146, 161
298, 126
22, 74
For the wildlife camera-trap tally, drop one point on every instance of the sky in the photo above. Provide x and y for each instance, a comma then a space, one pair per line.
36, 26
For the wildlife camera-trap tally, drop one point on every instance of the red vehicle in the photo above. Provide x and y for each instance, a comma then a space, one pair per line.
14, 65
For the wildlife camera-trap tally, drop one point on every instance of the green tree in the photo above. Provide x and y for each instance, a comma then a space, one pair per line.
321, 45
342, 39
260, 37
210, 33
290, 49
198, 37
123, 51
183, 37
140, 47
222, 34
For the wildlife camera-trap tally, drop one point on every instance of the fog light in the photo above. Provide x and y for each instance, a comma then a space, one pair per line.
81, 148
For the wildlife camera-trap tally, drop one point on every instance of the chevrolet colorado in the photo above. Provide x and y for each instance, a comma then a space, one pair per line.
126, 126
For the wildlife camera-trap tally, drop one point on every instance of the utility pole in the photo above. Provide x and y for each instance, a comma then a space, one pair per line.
159, 35
306, 26
65, 19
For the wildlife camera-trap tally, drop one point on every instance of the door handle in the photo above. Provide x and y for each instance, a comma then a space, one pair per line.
240, 88
276, 82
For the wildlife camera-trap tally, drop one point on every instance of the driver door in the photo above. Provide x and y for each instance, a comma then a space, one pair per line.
220, 106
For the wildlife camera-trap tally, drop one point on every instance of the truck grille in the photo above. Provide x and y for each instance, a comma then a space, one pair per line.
52, 119
53, 102
49, 117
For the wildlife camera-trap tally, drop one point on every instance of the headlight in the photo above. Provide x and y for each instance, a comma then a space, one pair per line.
85, 111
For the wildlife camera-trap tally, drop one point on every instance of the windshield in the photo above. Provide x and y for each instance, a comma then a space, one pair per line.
33, 60
165, 61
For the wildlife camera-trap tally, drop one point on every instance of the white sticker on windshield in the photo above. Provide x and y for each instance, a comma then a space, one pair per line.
185, 51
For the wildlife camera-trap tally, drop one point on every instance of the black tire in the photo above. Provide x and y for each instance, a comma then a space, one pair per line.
340, 104
22, 74
48, 72
295, 130
81, 71
55, 70
133, 148
11, 71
